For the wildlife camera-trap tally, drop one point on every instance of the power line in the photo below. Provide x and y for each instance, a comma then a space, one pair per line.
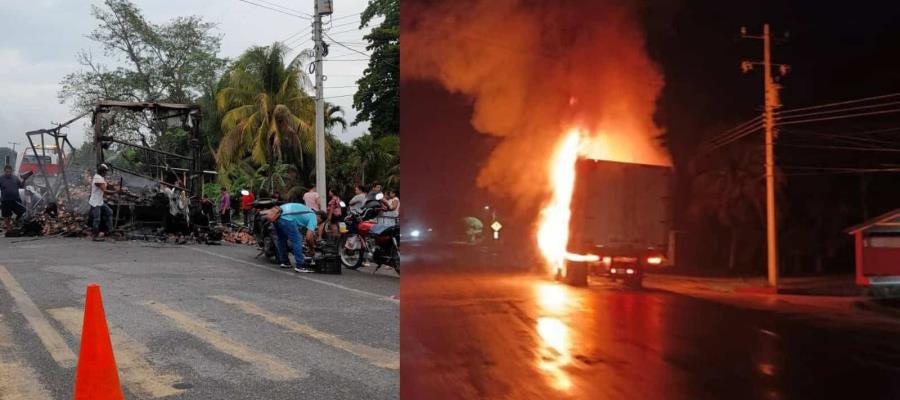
892, 103
294, 35
286, 8
275, 9
335, 97
826, 147
344, 24
345, 31
843, 138
345, 17
792, 122
344, 46
358, 52
839, 103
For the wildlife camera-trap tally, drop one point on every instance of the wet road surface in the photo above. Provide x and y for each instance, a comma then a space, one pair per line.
469, 335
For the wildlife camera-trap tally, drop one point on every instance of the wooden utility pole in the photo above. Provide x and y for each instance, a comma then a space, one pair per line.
770, 92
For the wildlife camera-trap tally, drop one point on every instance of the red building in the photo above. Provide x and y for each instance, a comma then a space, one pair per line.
878, 250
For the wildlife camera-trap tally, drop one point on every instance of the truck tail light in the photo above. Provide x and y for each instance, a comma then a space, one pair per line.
654, 260
607, 261
629, 271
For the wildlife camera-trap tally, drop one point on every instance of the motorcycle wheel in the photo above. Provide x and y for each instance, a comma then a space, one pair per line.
350, 259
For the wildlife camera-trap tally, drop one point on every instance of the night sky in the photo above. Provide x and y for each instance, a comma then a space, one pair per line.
836, 52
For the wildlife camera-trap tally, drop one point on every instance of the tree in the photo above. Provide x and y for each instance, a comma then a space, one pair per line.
171, 62
266, 114
378, 96
273, 177
369, 155
733, 193
334, 116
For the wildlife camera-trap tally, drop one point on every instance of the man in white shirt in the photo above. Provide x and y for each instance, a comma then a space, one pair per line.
99, 209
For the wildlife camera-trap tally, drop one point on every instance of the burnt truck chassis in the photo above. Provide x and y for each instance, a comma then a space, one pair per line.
151, 207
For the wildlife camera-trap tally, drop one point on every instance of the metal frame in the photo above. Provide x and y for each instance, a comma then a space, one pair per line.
61, 140
191, 111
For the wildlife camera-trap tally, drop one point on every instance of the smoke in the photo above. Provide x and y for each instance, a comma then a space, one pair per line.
536, 69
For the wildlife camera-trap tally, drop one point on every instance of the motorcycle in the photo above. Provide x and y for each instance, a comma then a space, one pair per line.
319, 258
363, 239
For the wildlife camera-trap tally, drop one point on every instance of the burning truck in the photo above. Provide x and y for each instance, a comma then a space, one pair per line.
604, 217
620, 220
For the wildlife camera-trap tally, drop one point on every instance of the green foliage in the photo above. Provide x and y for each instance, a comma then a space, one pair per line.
378, 96
170, 62
211, 190
266, 115
364, 161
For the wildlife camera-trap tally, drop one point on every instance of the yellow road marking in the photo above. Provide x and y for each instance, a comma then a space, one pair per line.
51, 339
269, 366
17, 380
137, 373
378, 357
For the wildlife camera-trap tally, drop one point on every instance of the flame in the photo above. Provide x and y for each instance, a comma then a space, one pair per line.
553, 228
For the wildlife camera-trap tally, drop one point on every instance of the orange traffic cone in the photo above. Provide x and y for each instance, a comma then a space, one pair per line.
97, 377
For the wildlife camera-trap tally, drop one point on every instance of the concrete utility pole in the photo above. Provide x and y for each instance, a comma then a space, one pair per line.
13, 145
770, 92
320, 9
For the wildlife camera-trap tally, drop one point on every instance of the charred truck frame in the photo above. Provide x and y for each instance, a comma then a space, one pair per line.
151, 207
163, 200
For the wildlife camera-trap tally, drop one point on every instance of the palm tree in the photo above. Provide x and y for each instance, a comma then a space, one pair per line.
733, 193
369, 154
266, 113
273, 177
334, 116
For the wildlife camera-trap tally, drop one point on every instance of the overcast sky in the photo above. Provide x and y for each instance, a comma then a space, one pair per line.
40, 38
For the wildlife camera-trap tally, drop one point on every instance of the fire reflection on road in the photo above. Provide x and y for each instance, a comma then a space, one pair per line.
554, 352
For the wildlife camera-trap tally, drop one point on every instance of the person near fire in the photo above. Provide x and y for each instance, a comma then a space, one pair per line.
10, 201
99, 209
289, 219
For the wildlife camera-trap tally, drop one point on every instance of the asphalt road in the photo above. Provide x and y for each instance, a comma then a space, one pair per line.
195, 322
471, 334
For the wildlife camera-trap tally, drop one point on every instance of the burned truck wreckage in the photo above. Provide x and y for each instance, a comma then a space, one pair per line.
161, 188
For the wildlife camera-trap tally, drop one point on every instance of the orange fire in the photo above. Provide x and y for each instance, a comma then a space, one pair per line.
553, 229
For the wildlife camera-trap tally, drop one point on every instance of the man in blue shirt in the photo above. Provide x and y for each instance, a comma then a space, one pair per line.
288, 220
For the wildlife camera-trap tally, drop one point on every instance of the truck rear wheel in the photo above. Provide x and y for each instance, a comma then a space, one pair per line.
576, 274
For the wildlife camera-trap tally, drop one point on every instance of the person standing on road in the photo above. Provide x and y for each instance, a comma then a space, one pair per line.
311, 199
334, 211
99, 209
288, 219
391, 213
356, 203
224, 206
10, 201
247, 199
